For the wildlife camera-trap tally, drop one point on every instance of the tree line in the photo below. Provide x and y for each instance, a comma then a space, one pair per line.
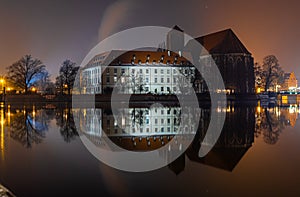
29, 74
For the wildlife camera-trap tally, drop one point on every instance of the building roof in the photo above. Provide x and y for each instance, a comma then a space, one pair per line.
222, 42
177, 28
150, 56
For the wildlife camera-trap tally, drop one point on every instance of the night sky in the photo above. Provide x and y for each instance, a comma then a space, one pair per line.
54, 30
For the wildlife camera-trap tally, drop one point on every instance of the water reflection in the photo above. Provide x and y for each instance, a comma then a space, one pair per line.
66, 124
144, 128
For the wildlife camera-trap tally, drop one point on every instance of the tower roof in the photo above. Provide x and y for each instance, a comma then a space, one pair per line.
177, 28
222, 42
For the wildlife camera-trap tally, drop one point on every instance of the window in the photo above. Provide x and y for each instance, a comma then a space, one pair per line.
168, 71
115, 79
169, 121
123, 70
162, 89
155, 121
147, 80
115, 70
162, 112
169, 129
155, 80
107, 79
141, 71
107, 70
161, 80
132, 70
155, 71
168, 89
156, 129
168, 80
147, 71
162, 129
162, 121
146, 89
162, 71
147, 130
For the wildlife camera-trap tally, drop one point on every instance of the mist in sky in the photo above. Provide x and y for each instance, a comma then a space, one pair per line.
56, 30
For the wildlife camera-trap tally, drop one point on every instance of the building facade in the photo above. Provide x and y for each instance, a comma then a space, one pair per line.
290, 82
137, 72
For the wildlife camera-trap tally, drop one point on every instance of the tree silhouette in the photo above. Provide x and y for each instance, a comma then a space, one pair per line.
25, 72
65, 120
67, 75
27, 128
269, 73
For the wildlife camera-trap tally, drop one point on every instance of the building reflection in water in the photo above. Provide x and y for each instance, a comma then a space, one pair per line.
144, 128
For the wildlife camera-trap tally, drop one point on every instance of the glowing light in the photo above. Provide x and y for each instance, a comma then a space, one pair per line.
258, 109
258, 90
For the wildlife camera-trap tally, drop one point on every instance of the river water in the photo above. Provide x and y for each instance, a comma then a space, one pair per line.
41, 153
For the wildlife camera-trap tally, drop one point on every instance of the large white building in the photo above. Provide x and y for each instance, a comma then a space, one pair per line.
137, 72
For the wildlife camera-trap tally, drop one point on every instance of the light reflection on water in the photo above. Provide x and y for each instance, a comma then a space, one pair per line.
32, 132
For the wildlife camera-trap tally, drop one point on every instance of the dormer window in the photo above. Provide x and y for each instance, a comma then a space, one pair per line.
133, 57
169, 53
132, 61
140, 61
179, 52
148, 57
162, 58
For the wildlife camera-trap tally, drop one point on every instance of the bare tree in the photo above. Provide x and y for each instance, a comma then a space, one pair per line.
25, 72
67, 75
270, 72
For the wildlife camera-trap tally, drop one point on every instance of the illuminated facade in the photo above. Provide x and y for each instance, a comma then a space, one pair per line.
138, 72
290, 82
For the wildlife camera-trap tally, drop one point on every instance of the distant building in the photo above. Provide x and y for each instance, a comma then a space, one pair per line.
290, 82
